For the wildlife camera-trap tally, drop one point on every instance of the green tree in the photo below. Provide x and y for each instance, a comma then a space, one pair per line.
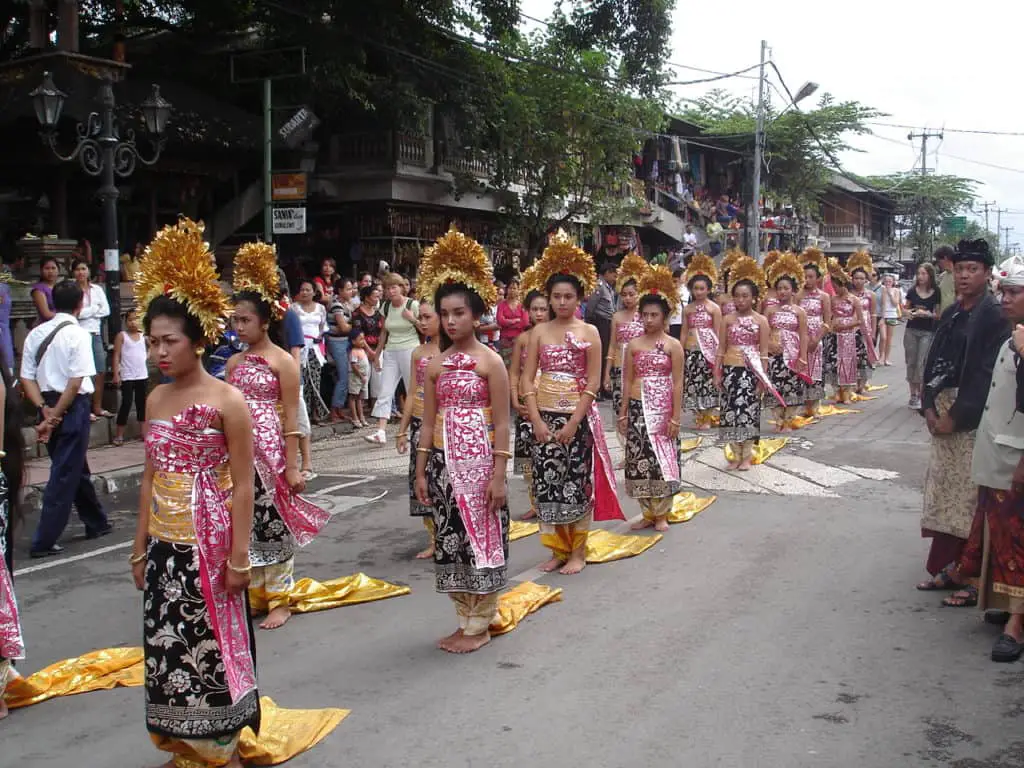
924, 202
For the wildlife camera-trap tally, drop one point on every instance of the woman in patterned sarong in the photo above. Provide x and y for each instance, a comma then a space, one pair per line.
537, 305
12, 463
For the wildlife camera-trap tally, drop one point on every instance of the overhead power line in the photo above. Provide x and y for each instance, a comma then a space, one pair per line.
947, 130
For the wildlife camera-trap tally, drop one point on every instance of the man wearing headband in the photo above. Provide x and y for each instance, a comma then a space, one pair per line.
996, 545
957, 380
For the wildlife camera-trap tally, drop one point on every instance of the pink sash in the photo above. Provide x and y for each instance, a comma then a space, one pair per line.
12, 645
707, 339
867, 329
469, 459
846, 357
656, 397
752, 355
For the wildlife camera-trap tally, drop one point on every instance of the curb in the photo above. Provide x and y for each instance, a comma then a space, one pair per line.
130, 478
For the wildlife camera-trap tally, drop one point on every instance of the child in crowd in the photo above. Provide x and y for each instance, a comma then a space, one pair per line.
358, 377
130, 373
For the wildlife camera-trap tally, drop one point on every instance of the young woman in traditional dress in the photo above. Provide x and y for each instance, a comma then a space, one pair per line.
626, 324
817, 304
702, 319
740, 370
463, 445
537, 305
847, 318
12, 464
573, 478
191, 552
268, 377
788, 324
769, 299
860, 266
650, 412
724, 296
412, 414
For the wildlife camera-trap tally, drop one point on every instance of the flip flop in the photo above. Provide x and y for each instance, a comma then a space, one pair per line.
942, 582
968, 598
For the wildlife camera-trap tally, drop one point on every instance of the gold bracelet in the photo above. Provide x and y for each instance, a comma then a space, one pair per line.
621, 418
240, 571
296, 433
136, 559
528, 394
673, 422
401, 434
506, 454
592, 394
423, 450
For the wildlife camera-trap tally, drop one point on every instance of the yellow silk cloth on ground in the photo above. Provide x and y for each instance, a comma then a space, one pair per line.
285, 733
95, 671
855, 398
687, 505
605, 546
763, 450
688, 444
833, 410
520, 530
797, 422
310, 595
519, 602
875, 387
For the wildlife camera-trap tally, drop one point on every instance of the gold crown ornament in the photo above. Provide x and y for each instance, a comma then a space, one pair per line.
816, 257
528, 281
769, 259
860, 260
787, 265
256, 271
838, 274
746, 268
633, 267
701, 265
658, 281
732, 256
179, 264
457, 258
564, 257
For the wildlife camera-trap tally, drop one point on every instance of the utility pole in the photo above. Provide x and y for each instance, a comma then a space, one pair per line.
924, 136
754, 209
987, 204
999, 224
1006, 231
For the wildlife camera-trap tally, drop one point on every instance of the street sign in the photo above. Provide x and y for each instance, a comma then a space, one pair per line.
955, 225
289, 220
298, 128
288, 187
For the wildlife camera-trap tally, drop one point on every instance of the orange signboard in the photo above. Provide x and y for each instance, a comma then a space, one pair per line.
288, 187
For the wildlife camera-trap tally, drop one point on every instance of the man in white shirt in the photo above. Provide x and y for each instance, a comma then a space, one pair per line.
689, 241
56, 374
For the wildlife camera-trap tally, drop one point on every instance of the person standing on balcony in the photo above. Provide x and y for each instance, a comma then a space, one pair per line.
600, 307
94, 309
689, 242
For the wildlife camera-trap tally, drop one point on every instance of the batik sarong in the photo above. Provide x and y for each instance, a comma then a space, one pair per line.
741, 405
700, 392
789, 383
645, 476
416, 509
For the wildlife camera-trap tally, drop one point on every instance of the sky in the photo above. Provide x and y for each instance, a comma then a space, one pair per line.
927, 65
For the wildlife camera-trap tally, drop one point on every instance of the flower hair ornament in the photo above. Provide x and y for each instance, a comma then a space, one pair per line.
633, 267
564, 257
457, 258
179, 264
658, 281
256, 271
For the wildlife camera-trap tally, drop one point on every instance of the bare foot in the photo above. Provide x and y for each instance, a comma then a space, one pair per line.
449, 638
531, 515
703, 427
277, 618
3, 708
732, 466
551, 565
661, 526
467, 643
641, 524
574, 565
426, 554
745, 465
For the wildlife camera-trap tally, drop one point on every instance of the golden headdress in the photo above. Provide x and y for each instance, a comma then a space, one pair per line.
816, 257
457, 258
633, 267
787, 265
564, 257
658, 281
256, 270
746, 268
701, 265
731, 257
180, 265
860, 260
528, 282
835, 269
769, 259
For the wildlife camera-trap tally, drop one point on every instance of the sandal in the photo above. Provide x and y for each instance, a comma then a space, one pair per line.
308, 474
106, 414
964, 598
117, 442
942, 582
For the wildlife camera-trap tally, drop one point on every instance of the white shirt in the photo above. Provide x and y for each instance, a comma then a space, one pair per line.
684, 299
690, 241
69, 356
94, 309
999, 441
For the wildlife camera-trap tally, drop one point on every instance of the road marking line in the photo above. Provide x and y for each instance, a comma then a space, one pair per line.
73, 559
332, 488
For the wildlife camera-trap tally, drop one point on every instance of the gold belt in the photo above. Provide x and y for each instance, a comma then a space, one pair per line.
417, 404
558, 392
439, 427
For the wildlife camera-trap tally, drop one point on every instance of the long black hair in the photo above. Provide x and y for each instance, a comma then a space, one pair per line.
473, 301
13, 463
263, 312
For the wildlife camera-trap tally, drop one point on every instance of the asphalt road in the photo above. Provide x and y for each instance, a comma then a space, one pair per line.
775, 629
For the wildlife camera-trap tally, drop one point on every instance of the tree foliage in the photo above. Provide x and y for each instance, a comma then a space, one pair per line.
801, 146
924, 202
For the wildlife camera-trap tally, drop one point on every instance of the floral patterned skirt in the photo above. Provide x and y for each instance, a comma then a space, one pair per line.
454, 563
741, 405
271, 541
700, 394
563, 475
644, 479
790, 386
187, 693
830, 360
615, 374
523, 445
864, 367
415, 508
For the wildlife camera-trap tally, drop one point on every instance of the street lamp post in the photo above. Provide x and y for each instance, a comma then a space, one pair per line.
103, 153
